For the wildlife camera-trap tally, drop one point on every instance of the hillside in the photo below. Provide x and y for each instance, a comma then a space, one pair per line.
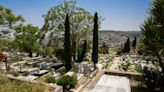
115, 38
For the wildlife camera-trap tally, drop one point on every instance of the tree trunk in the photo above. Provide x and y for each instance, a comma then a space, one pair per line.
94, 66
7, 68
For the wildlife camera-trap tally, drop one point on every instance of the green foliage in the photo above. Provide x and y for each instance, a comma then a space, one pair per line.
59, 53
104, 49
153, 34
119, 51
50, 79
26, 38
134, 43
153, 78
138, 68
8, 18
67, 82
14, 73
82, 55
125, 66
127, 46
67, 45
80, 22
7, 85
45, 51
7, 45
25, 73
95, 40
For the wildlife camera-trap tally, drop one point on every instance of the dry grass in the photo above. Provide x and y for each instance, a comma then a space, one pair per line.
7, 85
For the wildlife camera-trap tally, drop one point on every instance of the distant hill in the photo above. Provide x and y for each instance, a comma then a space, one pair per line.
122, 33
116, 38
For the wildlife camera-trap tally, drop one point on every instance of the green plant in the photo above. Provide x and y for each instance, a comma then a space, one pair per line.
67, 45
153, 78
14, 73
104, 49
125, 66
138, 68
82, 55
134, 43
50, 79
7, 85
59, 53
127, 46
153, 34
25, 74
67, 82
95, 41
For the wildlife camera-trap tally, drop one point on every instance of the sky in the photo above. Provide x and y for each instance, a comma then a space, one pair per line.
122, 15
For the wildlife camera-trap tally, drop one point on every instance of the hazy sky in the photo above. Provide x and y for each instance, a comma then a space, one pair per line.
119, 14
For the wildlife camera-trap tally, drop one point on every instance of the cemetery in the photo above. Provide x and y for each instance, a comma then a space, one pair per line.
67, 48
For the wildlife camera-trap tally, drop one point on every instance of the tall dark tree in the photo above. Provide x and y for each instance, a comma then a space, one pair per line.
134, 43
127, 46
153, 33
67, 45
82, 55
95, 41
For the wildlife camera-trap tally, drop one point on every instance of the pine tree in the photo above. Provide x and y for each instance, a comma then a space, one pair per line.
95, 41
153, 33
67, 46
127, 46
134, 43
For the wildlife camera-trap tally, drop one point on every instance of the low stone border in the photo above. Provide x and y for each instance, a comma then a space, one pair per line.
130, 75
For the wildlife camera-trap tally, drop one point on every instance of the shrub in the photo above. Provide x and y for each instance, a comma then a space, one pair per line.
25, 74
14, 73
153, 78
50, 79
125, 66
67, 82
59, 53
119, 51
104, 49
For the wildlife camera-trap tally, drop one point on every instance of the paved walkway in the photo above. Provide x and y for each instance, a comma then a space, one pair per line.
116, 62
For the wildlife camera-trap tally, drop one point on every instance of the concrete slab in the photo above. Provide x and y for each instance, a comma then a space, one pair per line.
110, 83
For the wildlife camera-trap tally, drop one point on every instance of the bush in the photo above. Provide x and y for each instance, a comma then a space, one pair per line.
67, 82
50, 79
25, 74
14, 73
59, 53
104, 49
153, 78
125, 65
119, 51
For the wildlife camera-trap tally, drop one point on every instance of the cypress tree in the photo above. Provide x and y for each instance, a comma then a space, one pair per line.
82, 55
95, 40
127, 46
67, 47
134, 43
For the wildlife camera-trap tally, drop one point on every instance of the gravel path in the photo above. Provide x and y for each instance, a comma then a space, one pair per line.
116, 62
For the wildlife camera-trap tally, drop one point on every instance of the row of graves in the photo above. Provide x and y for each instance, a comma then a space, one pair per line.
135, 63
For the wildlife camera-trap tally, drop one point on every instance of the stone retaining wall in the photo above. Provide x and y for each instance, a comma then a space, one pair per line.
130, 75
